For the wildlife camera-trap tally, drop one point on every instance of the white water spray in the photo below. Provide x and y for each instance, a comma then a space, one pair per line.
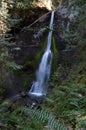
39, 87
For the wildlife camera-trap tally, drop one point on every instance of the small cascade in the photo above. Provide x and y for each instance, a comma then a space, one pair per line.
39, 87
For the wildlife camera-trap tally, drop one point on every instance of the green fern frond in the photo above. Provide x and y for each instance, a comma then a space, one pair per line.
45, 117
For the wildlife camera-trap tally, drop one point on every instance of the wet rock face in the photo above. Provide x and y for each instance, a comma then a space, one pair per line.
67, 17
30, 40
66, 61
27, 16
68, 56
27, 48
60, 43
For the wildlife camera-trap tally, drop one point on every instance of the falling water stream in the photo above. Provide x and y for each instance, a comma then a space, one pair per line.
39, 87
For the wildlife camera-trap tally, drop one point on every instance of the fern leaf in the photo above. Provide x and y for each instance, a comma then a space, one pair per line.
45, 117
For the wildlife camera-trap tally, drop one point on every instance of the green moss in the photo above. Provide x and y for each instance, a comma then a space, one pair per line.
54, 48
55, 55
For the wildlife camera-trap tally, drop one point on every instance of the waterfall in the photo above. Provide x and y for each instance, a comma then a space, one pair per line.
39, 87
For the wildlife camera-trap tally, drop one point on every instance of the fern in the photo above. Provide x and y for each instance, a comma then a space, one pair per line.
7, 63
23, 118
45, 117
81, 124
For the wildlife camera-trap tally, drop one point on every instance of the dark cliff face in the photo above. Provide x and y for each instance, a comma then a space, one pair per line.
29, 40
28, 46
60, 42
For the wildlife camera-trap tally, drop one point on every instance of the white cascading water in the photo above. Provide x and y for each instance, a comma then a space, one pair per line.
39, 87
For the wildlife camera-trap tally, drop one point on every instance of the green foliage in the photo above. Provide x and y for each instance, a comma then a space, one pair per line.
10, 119
81, 123
22, 4
69, 99
7, 64
68, 102
45, 117
24, 118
